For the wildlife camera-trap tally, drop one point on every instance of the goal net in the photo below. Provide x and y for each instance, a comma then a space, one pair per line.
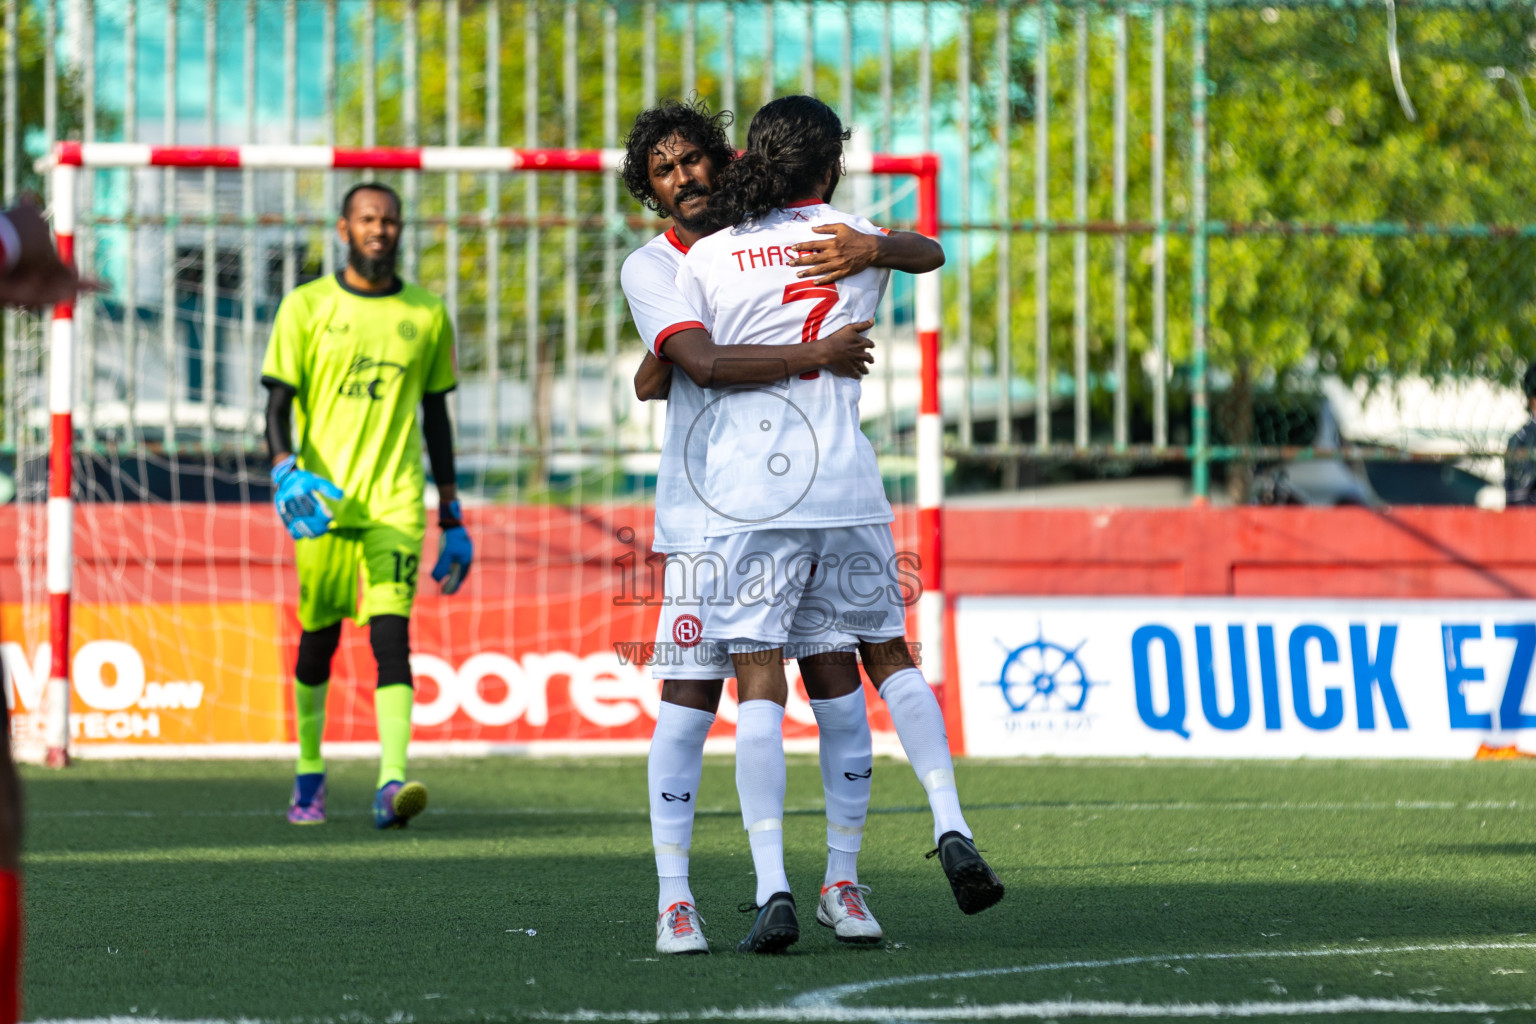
151, 569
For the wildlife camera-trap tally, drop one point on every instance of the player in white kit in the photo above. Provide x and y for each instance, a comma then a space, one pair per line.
789, 481
673, 153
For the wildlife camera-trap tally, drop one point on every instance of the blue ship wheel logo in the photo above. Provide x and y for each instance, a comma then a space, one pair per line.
1043, 676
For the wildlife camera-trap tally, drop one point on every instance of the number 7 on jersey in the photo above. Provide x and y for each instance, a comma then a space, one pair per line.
825, 297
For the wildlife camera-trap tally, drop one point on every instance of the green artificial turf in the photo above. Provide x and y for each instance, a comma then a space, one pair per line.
177, 890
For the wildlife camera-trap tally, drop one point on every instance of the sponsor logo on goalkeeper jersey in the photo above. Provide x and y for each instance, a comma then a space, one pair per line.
370, 378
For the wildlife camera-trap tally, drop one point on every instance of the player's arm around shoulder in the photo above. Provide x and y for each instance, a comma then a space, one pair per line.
849, 248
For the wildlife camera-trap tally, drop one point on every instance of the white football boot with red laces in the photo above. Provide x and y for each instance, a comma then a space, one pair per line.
680, 930
842, 908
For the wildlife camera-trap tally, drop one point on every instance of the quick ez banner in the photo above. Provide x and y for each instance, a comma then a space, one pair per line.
1243, 677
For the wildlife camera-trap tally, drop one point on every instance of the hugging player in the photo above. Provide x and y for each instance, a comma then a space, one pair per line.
674, 152
789, 481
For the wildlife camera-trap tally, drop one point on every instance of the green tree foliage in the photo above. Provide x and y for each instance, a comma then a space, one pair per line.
1305, 126
31, 92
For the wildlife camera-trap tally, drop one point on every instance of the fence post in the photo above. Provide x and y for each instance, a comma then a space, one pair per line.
1198, 313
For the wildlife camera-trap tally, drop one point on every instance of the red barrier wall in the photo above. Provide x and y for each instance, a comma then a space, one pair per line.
203, 553
1244, 552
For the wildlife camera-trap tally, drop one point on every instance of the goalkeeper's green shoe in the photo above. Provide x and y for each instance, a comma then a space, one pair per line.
396, 803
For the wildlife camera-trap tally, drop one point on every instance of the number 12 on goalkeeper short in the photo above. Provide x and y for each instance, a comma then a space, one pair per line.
405, 569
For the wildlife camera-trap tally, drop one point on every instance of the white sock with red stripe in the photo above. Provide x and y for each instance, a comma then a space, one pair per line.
847, 764
920, 725
760, 783
672, 774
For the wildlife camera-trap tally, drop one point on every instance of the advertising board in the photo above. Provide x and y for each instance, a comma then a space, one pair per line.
1234, 677
207, 680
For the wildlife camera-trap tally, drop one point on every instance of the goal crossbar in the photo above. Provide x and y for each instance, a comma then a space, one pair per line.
69, 158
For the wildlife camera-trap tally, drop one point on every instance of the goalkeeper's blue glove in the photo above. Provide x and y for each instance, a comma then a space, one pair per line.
454, 550
298, 499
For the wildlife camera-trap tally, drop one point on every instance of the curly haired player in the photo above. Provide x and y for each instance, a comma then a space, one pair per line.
674, 152
783, 490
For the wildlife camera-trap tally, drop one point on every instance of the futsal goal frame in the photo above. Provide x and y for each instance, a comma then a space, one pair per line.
69, 159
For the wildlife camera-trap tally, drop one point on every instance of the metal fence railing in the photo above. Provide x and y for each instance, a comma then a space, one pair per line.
1201, 235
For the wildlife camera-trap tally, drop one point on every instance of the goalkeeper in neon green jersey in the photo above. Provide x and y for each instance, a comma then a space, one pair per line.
351, 358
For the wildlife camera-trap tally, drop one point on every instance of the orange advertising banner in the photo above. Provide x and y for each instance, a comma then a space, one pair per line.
154, 673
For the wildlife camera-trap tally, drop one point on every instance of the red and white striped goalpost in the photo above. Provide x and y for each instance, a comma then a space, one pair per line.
61, 505
69, 157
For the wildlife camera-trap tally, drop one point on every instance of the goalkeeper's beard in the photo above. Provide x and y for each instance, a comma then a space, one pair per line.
373, 269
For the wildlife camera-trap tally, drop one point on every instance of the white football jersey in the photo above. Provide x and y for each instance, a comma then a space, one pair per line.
649, 279
789, 454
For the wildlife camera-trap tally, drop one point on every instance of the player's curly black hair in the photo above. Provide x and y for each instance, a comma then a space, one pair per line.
691, 120
791, 143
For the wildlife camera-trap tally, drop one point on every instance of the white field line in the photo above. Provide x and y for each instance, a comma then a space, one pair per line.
1061, 1009
832, 996
823, 1004
1182, 806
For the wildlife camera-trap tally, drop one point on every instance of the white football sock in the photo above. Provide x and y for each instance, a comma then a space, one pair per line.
672, 775
760, 784
920, 726
847, 763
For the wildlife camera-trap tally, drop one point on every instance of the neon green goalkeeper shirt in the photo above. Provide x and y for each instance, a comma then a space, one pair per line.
360, 364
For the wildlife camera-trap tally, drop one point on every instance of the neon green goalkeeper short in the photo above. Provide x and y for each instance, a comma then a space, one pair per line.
388, 557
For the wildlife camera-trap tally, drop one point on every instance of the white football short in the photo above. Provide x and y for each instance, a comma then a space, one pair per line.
692, 585
681, 650
802, 588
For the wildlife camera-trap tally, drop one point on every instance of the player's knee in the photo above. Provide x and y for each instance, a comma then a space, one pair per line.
830, 675
390, 636
883, 659
699, 694
316, 649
